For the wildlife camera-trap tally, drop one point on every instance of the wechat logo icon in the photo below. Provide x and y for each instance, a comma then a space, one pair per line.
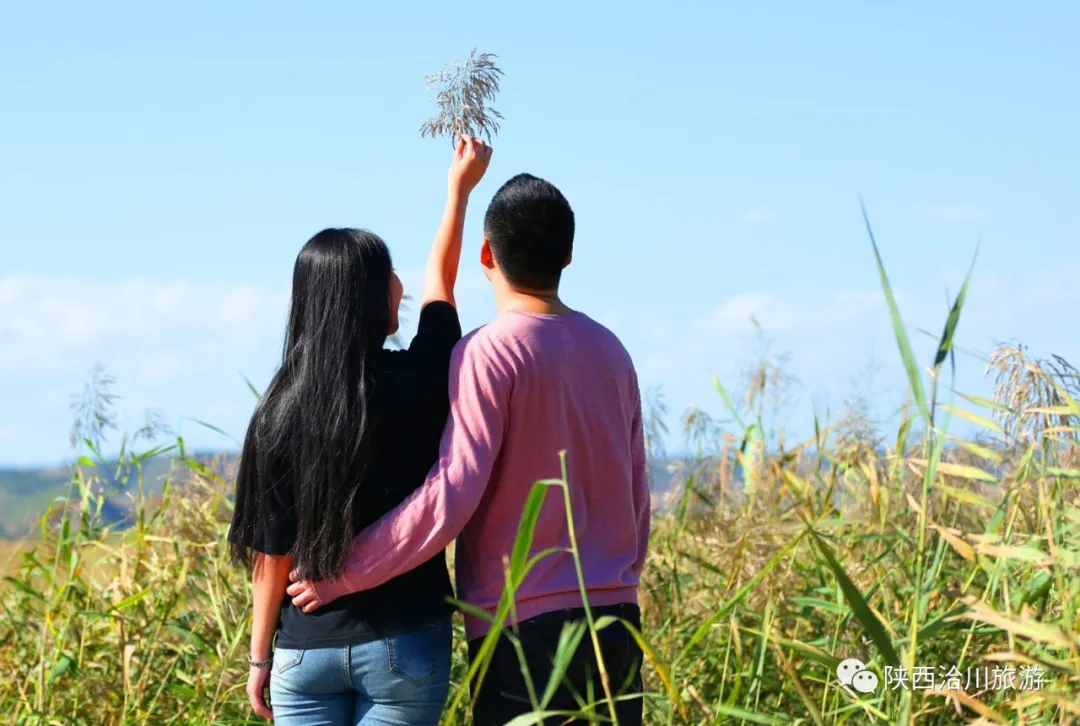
852, 672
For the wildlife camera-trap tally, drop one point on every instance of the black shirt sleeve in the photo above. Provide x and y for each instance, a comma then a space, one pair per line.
438, 331
275, 529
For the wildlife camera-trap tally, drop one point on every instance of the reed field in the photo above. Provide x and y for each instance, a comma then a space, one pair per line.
950, 567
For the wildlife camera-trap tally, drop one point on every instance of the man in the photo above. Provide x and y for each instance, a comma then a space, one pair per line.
538, 379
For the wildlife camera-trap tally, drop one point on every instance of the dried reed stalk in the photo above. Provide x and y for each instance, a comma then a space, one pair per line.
464, 91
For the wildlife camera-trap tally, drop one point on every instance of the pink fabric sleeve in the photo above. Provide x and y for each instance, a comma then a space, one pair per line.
429, 520
640, 472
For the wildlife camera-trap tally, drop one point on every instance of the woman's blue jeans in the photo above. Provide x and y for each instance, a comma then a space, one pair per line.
400, 680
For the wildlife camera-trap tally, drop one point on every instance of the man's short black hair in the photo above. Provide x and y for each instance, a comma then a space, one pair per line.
530, 227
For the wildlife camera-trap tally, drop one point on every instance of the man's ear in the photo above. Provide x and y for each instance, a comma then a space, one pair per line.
569, 259
487, 259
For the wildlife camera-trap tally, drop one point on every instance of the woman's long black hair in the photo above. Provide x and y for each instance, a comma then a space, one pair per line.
311, 430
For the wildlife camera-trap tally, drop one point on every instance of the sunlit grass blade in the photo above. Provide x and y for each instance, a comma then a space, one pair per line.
662, 669
728, 403
530, 514
976, 419
945, 345
539, 717
983, 452
569, 641
251, 387
870, 623
750, 716
966, 496
961, 471
987, 403
907, 354
1020, 626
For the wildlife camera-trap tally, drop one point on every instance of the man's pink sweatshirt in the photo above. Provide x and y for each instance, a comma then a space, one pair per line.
523, 388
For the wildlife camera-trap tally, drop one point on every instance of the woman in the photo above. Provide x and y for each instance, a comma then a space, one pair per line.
345, 432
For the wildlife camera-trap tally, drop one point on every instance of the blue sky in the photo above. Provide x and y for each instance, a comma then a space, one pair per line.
161, 167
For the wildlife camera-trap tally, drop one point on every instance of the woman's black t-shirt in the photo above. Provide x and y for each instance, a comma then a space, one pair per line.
410, 405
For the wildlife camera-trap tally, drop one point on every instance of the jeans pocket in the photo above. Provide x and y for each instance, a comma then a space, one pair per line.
285, 659
416, 656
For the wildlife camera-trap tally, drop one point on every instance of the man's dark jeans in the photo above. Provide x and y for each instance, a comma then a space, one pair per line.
504, 696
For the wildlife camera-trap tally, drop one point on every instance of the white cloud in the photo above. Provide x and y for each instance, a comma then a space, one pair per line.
779, 315
757, 216
46, 323
952, 213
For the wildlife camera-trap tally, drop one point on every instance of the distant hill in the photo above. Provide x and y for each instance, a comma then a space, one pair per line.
25, 493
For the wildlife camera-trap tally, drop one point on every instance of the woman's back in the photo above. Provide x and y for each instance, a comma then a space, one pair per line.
409, 405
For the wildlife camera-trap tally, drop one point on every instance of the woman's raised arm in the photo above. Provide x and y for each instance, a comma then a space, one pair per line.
471, 157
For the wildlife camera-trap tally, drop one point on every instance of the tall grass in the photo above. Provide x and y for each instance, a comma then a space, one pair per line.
773, 563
